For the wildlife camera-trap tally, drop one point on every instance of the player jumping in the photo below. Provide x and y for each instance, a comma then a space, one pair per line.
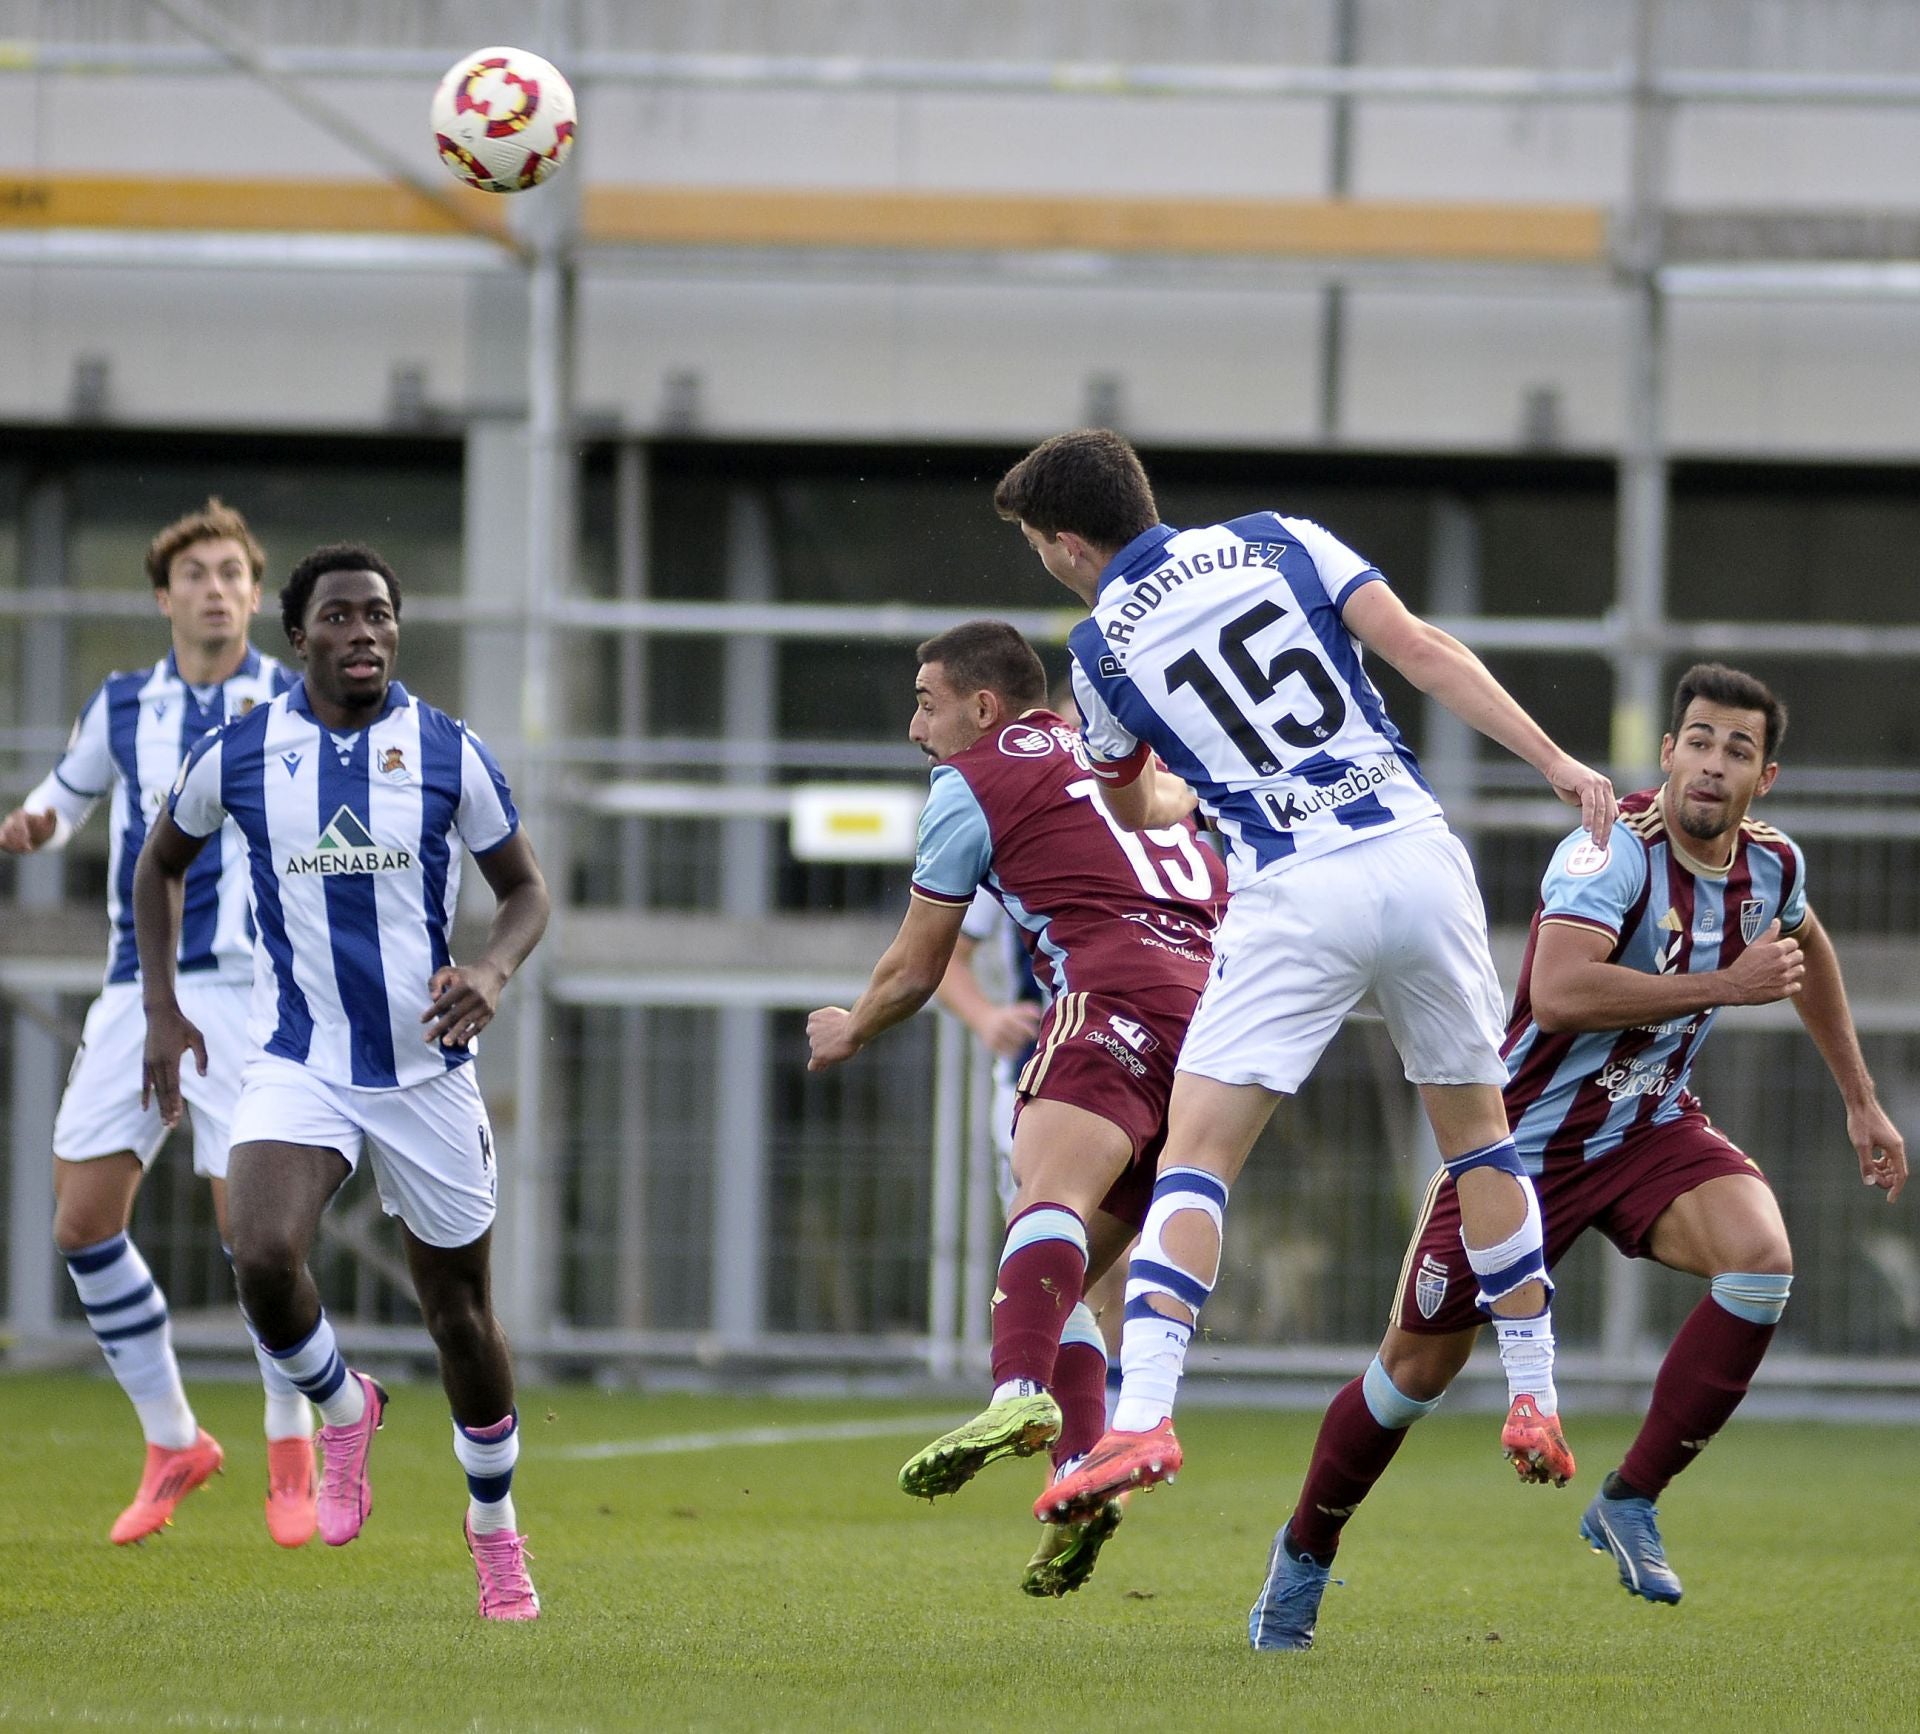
1234, 652
1634, 947
205, 569
354, 800
1118, 927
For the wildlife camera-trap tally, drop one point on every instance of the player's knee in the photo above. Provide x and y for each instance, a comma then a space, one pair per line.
80, 1225
459, 1323
1421, 1368
266, 1268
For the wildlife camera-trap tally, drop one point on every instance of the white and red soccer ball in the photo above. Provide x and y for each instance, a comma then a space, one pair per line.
503, 119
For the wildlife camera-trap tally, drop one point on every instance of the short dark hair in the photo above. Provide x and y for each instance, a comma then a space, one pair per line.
989, 656
297, 592
1719, 684
216, 521
1090, 482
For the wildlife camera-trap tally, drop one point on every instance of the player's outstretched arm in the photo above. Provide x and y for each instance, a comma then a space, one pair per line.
1444, 668
23, 831
159, 891
462, 998
1822, 1005
904, 979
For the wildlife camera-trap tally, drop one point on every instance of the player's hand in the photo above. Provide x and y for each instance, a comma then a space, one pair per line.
169, 1035
462, 1000
1583, 787
22, 832
1772, 968
1009, 1028
1882, 1151
827, 1038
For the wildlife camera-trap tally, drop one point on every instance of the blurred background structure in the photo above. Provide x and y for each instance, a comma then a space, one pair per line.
1596, 326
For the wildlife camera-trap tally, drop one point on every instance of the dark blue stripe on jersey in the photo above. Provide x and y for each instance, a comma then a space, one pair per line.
200, 911
440, 768
353, 922
1323, 771
126, 1300
85, 1260
123, 734
499, 788
243, 792
283, 679
1090, 649
1336, 642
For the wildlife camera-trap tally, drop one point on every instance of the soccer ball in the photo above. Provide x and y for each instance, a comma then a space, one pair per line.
503, 119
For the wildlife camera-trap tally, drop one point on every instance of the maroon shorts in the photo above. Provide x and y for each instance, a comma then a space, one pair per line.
1115, 1058
1622, 1194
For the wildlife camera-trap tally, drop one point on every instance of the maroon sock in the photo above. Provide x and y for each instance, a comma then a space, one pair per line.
1080, 1388
1350, 1455
1039, 1285
1706, 1373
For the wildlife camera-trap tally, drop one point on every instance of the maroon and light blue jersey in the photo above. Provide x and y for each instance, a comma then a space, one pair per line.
1579, 1092
1101, 909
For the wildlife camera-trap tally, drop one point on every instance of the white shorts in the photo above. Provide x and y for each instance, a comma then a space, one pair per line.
1398, 917
432, 1143
100, 1114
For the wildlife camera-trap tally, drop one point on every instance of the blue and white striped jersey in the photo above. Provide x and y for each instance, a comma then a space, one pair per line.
1223, 649
129, 743
353, 843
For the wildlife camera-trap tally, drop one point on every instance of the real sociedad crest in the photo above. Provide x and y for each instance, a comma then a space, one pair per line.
1753, 917
1429, 1286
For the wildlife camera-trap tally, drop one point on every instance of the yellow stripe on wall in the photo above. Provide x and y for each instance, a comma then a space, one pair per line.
912, 221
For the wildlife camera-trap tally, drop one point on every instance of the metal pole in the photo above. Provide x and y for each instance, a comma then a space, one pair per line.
943, 1236
983, 1211
39, 884
1640, 607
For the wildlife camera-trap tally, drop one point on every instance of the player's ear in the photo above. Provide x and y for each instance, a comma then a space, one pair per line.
1766, 778
1666, 752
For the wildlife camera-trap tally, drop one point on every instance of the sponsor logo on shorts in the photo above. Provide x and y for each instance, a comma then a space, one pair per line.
1587, 860
1133, 1035
1753, 917
1429, 1286
346, 846
1119, 1049
1024, 741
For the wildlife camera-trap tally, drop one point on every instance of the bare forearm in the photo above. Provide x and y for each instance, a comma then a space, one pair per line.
158, 898
960, 992
898, 988
1445, 669
519, 920
1610, 996
1823, 1008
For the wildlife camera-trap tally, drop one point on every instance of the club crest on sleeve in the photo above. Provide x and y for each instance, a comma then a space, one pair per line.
1753, 917
245, 705
1587, 859
1430, 1286
1024, 741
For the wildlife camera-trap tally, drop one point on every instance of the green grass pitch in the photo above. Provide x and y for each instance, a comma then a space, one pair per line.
789, 1585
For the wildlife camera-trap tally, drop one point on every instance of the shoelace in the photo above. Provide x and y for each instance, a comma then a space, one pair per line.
502, 1557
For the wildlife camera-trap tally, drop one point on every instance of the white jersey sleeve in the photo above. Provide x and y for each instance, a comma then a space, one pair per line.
983, 918
195, 803
85, 773
487, 816
1340, 570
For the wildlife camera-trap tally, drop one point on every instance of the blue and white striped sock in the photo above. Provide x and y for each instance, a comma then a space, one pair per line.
488, 1455
127, 1313
315, 1368
288, 1413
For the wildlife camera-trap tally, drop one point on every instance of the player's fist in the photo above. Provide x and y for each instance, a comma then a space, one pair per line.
22, 832
1590, 790
1772, 968
828, 1042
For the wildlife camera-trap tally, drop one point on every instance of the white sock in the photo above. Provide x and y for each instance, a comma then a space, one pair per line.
1010, 1388
288, 1414
1526, 1351
1153, 1356
315, 1368
127, 1313
488, 1455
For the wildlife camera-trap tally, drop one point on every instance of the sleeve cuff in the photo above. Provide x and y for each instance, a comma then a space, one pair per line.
1118, 773
1586, 923
944, 899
